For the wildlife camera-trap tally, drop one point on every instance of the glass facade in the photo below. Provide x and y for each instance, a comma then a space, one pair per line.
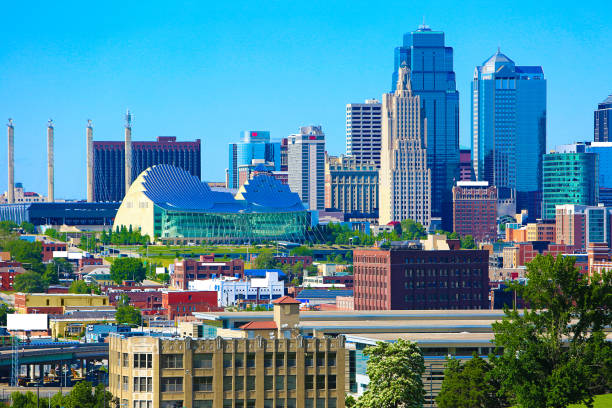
509, 124
569, 178
602, 119
433, 79
253, 146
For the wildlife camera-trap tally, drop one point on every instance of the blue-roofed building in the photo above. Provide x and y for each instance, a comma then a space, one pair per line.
86, 215
169, 203
315, 297
253, 149
261, 273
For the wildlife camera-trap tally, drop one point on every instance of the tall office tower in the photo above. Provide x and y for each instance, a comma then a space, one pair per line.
108, 165
306, 162
363, 131
254, 148
90, 157
433, 79
283, 153
11, 161
351, 187
569, 178
603, 117
466, 172
509, 128
128, 151
404, 178
50, 163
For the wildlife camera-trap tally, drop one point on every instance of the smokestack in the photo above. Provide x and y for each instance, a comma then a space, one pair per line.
11, 162
128, 151
50, 163
89, 137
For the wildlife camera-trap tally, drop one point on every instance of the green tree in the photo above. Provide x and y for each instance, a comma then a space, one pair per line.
467, 242
127, 269
80, 286
413, 230
349, 401
395, 371
339, 259
265, 260
7, 226
28, 227
469, 385
4, 310
129, 315
555, 354
301, 251
28, 253
29, 282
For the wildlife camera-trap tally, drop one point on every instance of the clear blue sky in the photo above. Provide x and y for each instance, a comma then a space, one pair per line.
209, 70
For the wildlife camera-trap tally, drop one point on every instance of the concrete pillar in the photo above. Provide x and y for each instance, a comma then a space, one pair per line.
11, 162
50, 164
90, 164
128, 151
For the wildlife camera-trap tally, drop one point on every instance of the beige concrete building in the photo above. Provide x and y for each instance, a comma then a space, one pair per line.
405, 179
285, 370
351, 186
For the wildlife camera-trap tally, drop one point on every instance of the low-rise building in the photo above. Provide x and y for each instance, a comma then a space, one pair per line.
185, 302
543, 230
475, 210
8, 271
205, 268
409, 276
230, 291
56, 303
279, 370
49, 247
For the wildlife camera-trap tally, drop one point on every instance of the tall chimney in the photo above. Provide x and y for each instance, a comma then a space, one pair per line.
128, 151
50, 163
11, 162
89, 133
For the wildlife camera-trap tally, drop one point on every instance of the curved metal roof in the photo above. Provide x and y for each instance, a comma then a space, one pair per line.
173, 188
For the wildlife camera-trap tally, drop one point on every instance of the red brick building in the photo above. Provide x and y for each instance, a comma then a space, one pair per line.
8, 271
149, 301
49, 247
292, 260
409, 277
475, 210
90, 261
205, 268
346, 280
184, 303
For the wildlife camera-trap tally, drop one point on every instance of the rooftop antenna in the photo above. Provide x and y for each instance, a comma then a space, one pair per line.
423, 26
128, 119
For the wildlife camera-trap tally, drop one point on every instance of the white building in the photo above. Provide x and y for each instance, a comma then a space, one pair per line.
230, 290
306, 166
363, 131
405, 179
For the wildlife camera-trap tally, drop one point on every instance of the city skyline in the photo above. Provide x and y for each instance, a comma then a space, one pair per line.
173, 69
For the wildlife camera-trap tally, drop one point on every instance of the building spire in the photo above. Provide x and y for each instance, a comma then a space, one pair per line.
404, 82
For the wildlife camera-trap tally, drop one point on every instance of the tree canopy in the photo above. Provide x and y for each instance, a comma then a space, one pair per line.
124, 236
82, 395
4, 310
555, 354
395, 371
129, 315
265, 260
29, 282
469, 385
127, 269
80, 286
413, 230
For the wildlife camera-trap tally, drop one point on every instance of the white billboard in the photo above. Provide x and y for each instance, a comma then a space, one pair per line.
27, 322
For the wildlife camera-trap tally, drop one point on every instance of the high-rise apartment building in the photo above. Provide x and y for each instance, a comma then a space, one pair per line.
475, 210
433, 80
363, 131
254, 148
603, 119
569, 178
509, 127
435, 274
404, 177
109, 162
351, 187
306, 166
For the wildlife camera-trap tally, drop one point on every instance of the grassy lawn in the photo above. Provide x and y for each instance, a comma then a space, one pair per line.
601, 401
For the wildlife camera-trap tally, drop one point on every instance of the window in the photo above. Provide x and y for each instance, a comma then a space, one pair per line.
202, 404
227, 360
280, 360
320, 360
320, 382
268, 360
280, 403
143, 360
202, 360
142, 404
291, 382
227, 383
309, 382
126, 360
125, 384
172, 361
172, 384
309, 403
239, 360
268, 382
143, 384
250, 382
280, 382
320, 402
309, 360
291, 359
239, 383
331, 382
203, 384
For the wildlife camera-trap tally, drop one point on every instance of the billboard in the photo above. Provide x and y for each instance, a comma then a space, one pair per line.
26, 322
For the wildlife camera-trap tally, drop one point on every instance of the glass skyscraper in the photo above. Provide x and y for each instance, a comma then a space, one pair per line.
509, 127
602, 119
433, 80
254, 148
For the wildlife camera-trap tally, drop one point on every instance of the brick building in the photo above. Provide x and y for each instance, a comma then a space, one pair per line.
204, 268
580, 225
184, 303
8, 271
411, 277
475, 210
49, 247
543, 230
524, 252
292, 260
148, 301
